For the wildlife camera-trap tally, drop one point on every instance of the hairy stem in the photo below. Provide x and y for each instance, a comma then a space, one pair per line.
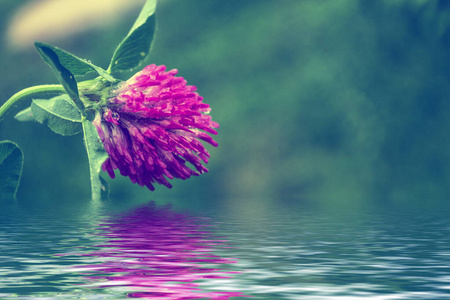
29, 92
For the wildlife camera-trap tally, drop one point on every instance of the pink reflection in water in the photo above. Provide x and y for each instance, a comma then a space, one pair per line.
158, 254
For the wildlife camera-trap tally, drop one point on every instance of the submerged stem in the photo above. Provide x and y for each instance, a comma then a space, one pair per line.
31, 91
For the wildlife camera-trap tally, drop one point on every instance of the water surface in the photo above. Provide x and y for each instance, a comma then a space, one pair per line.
153, 251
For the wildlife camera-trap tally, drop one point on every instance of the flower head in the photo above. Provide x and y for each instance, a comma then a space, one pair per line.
152, 125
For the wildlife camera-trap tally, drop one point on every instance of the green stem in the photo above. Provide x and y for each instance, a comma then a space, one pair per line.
28, 92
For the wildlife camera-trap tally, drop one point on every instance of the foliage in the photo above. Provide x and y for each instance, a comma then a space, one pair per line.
11, 161
58, 113
66, 114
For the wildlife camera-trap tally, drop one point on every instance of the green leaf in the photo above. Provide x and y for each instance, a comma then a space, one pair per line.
11, 162
97, 156
25, 115
65, 77
76, 65
136, 45
58, 113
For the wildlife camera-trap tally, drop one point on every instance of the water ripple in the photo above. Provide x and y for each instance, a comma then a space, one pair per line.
292, 253
150, 252
158, 254
298, 255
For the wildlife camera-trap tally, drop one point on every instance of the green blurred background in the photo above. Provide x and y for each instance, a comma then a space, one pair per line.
329, 101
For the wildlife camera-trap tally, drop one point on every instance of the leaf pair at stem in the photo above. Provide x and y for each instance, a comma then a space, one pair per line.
67, 114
